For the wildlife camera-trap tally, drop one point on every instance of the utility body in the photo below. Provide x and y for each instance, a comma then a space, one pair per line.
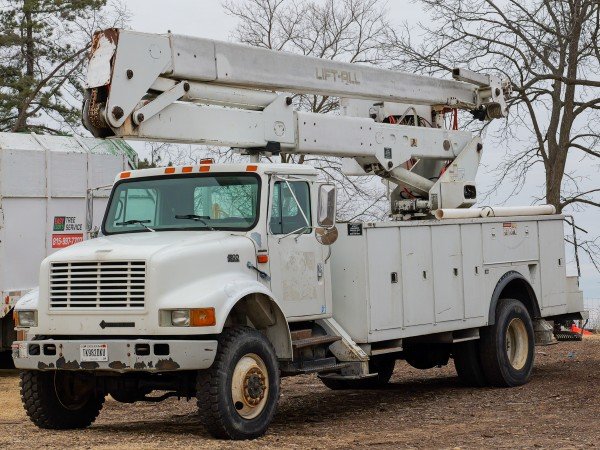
211, 281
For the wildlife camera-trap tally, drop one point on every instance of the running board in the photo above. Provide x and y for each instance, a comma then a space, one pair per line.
323, 365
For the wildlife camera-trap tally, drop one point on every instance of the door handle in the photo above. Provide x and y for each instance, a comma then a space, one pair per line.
319, 271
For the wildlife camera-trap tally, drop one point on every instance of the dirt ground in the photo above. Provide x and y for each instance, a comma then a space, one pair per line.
560, 407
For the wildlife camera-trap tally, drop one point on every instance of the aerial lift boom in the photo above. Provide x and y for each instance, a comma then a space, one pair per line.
193, 90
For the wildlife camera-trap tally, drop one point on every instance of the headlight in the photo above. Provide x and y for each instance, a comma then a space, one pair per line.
180, 318
26, 319
199, 317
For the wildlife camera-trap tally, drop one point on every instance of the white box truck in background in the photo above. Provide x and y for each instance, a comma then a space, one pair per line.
44, 182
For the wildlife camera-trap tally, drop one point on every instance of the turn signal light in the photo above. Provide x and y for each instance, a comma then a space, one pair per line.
262, 259
202, 317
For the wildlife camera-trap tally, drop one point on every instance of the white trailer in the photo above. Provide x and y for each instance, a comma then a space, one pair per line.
44, 183
213, 280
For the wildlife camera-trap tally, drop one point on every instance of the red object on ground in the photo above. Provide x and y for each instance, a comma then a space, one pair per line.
576, 329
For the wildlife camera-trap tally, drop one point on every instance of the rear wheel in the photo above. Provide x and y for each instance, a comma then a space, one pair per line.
60, 400
467, 363
507, 347
238, 395
384, 367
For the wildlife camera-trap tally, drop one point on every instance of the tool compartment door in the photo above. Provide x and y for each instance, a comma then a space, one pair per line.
447, 269
385, 283
417, 276
552, 261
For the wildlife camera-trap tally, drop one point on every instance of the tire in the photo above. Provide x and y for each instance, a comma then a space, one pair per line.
507, 347
60, 400
226, 408
467, 364
384, 368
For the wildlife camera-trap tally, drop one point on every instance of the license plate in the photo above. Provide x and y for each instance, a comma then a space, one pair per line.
94, 352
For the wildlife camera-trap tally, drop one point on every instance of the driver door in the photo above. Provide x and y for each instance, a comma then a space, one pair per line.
295, 260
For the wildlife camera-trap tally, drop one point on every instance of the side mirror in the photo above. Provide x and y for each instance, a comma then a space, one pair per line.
326, 206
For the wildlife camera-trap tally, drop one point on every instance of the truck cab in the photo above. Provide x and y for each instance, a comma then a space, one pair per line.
185, 252
180, 248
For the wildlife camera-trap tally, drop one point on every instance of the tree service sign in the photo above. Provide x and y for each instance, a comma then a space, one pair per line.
66, 226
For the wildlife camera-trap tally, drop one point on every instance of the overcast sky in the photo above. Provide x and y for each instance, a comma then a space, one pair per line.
206, 18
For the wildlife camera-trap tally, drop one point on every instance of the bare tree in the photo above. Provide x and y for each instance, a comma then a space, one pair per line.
344, 30
549, 49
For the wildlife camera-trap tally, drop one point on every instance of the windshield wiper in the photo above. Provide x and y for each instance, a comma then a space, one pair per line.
196, 218
138, 222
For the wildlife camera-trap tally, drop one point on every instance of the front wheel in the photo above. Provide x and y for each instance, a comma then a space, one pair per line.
507, 347
238, 395
60, 400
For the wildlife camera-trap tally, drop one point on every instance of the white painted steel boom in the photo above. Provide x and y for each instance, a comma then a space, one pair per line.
194, 90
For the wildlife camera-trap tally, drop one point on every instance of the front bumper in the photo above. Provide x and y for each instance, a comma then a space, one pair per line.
123, 355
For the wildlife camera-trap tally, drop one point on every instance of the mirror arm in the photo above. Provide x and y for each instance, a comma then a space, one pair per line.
328, 255
295, 232
297, 202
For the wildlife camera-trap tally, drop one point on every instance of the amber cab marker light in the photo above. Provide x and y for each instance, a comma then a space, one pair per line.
207, 161
202, 317
186, 169
251, 168
125, 175
170, 170
262, 259
204, 168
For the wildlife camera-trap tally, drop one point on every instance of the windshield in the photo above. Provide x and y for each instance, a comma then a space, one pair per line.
189, 202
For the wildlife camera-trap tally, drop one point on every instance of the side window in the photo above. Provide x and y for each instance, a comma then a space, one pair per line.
286, 216
136, 204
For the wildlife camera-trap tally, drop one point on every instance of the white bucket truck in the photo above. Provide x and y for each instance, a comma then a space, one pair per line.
212, 281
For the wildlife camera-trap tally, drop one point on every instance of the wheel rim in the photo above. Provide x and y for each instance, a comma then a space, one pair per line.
250, 386
72, 391
517, 344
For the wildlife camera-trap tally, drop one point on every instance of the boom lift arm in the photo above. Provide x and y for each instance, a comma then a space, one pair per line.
193, 90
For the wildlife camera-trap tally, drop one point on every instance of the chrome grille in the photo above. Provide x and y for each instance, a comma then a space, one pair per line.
98, 284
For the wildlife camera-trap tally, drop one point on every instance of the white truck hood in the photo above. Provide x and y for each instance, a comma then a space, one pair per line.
182, 269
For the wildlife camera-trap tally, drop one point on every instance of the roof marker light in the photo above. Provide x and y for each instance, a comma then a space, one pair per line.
186, 169
125, 175
204, 168
251, 168
170, 170
207, 161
